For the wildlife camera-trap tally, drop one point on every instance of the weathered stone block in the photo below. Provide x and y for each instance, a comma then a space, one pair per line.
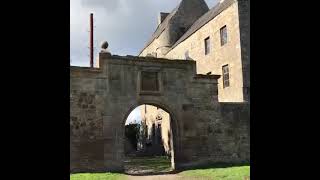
97, 117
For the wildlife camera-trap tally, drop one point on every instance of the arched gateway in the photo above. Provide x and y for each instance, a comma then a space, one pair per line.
203, 130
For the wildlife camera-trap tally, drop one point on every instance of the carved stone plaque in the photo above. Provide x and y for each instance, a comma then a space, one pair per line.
149, 81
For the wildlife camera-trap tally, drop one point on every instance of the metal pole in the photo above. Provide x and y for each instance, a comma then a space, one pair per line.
91, 40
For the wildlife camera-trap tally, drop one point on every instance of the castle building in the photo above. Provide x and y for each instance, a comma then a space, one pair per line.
156, 122
218, 39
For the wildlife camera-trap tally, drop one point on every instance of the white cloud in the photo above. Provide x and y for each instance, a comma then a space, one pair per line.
125, 24
134, 116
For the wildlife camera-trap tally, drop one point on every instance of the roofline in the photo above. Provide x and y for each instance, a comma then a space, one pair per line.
150, 42
175, 45
185, 38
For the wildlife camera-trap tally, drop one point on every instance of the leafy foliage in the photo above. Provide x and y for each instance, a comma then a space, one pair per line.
132, 133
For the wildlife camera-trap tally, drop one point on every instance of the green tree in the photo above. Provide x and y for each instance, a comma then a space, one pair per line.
132, 133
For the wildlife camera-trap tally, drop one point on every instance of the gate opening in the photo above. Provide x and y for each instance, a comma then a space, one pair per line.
148, 144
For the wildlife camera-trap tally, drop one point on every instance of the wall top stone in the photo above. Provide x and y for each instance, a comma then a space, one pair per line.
153, 59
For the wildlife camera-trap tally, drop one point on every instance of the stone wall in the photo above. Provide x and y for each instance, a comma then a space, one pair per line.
102, 98
87, 91
244, 25
219, 56
236, 119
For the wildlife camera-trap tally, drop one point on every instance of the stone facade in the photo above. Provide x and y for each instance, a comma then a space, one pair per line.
230, 53
155, 116
174, 26
244, 25
203, 130
234, 14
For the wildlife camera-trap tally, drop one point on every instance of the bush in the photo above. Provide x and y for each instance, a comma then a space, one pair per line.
132, 133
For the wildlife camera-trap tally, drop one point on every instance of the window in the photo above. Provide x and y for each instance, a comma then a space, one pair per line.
223, 35
207, 46
225, 73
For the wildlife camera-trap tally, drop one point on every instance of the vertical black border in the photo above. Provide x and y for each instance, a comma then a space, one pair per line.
281, 124
35, 73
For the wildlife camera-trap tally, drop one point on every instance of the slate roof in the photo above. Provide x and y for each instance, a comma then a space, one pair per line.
212, 13
161, 27
184, 6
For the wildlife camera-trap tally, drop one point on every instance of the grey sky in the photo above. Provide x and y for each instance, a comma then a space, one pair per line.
125, 24
134, 116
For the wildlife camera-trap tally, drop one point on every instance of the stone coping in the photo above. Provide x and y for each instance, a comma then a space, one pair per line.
151, 59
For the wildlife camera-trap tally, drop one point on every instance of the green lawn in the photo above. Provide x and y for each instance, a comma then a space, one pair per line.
97, 176
155, 164
217, 173
145, 164
163, 165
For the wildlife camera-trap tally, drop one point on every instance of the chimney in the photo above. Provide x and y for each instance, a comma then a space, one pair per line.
162, 16
91, 40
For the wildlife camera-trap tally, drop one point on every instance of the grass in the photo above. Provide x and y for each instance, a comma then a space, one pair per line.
163, 165
155, 164
151, 164
97, 176
220, 173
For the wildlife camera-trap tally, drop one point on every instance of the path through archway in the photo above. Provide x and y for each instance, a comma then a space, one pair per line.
148, 141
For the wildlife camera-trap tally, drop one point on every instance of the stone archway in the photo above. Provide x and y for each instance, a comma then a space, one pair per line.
174, 127
101, 98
